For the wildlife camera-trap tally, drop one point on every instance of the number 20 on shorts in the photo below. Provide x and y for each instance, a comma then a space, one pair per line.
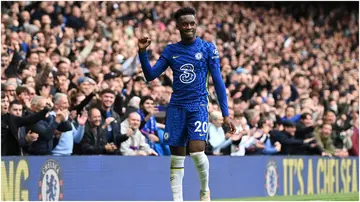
201, 125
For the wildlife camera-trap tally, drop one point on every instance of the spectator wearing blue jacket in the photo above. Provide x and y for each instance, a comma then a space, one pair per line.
148, 126
290, 144
45, 128
64, 139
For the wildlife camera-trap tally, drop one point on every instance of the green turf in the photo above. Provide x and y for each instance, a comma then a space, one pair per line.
326, 197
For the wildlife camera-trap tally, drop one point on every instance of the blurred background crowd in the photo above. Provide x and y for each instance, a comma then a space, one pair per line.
72, 84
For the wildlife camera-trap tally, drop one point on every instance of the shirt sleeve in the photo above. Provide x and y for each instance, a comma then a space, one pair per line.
212, 134
214, 67
78, 133
160, 66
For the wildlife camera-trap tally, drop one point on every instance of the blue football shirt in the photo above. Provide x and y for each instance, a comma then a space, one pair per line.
192, 64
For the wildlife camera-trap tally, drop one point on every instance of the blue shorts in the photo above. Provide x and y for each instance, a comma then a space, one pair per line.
183, 125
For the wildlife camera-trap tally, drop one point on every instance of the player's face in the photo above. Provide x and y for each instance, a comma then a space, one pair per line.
187, 26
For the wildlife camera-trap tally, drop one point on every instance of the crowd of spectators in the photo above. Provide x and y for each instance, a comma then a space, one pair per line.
72, 83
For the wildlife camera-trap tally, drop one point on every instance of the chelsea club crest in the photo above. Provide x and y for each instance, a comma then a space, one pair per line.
50, 182
198, 56
271, 178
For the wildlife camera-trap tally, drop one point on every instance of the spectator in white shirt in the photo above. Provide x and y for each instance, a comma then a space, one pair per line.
217, 137
136, 144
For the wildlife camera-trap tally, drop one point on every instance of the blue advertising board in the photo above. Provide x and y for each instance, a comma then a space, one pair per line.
102, 178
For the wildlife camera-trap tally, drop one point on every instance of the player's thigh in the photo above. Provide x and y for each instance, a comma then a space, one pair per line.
175, 127
197, 124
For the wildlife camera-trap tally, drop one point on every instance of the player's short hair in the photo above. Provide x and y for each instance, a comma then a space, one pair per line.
184, 11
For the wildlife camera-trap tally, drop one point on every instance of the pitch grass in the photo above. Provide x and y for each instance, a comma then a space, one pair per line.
319, 197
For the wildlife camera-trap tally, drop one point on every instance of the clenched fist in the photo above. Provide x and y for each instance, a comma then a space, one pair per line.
143, 43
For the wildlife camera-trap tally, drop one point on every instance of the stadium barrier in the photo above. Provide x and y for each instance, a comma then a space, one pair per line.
101, 178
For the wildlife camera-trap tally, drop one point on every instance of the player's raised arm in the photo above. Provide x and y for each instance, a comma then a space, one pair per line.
214, 66
150, 72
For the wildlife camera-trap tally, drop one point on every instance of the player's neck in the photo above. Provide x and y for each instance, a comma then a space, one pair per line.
188, 41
